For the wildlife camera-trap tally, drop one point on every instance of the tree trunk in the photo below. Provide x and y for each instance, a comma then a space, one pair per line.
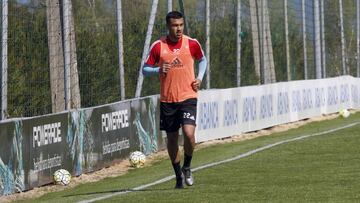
56, 56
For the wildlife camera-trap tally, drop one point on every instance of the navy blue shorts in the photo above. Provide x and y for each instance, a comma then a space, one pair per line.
173, 115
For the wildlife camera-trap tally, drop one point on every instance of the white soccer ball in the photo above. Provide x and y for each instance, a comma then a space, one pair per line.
137, 159
344, 113
62, 177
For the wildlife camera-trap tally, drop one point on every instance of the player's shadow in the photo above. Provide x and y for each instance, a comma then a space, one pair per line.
122, 191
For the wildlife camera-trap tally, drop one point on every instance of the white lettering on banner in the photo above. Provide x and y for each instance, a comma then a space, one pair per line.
266, 109
40, 165
46, 134
109, 148
344, 93
230, 112
208, 115
358, 88
332, 96
114, 120
296, 101
355, 94
283, 103
249, 109
358, 91
320, 99
291, 101
307, 99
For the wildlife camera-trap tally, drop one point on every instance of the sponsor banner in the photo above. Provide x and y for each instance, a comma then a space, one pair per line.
217, 110
227, 112
47, 144
83, 153
145, 124
14, 158
110, 128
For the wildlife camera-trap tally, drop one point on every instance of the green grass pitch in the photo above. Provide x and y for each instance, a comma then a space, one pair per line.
322, 168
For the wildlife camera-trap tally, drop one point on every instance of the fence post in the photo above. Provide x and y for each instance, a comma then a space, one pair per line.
121, 48
262, 42
72, 89
304, 38
66, 27
238, 42
146, 46
208, 72
56, 55
4, 61
268, 67
287, 42
317, 40
343, 54
255, 32
323, 51
357, 38
169, 5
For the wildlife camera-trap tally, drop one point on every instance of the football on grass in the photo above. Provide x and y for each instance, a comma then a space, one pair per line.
344, 113
62, 177
137, 159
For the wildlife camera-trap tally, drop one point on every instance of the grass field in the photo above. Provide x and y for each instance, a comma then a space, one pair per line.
321, 168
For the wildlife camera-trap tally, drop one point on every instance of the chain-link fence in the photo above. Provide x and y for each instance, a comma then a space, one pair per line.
63, 54
28, 60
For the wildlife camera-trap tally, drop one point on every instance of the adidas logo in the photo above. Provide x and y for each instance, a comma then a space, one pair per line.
176, 63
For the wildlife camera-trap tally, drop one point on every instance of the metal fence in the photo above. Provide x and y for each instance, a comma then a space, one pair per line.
63, 54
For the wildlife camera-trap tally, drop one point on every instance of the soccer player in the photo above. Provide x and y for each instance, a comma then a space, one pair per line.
172, 58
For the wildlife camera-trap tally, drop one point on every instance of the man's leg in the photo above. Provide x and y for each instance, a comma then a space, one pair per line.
173, 151
173, 146
189, 139
189, 146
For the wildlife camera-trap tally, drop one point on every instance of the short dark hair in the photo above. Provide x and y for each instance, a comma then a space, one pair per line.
174, 15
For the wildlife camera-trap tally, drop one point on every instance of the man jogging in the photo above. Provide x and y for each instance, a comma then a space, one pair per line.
172, 58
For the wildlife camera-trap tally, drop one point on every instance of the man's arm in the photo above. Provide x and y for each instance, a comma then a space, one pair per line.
150, 67
202, 68
148, 70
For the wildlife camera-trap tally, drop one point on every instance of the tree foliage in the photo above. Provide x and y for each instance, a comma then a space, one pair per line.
28, 72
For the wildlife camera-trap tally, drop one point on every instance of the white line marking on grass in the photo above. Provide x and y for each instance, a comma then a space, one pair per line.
141, 187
